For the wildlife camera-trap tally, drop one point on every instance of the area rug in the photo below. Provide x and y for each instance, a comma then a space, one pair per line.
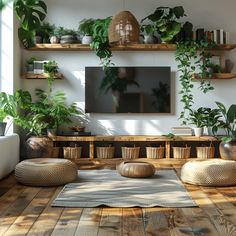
106, 187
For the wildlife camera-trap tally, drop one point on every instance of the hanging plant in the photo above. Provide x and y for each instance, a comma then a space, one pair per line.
100, 43
31, 13
193, 56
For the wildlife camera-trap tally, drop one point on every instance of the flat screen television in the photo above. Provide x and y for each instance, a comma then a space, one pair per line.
139, 89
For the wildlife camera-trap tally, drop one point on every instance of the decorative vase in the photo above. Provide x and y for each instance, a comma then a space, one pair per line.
228, 150
198, 131
39, 147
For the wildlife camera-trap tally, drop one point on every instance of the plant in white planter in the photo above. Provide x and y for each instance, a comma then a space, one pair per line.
86, 28
198, 118
148, 32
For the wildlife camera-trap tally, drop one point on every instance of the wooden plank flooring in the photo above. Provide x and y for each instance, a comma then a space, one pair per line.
27, 211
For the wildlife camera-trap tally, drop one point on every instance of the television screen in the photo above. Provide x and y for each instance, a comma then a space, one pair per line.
127, 90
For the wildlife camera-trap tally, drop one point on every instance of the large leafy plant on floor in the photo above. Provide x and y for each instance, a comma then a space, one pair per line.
193, 56
31, 13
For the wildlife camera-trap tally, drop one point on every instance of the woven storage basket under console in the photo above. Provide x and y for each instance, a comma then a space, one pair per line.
155, 152
205, 152
130, 152
181, 152
105, 152
72, 153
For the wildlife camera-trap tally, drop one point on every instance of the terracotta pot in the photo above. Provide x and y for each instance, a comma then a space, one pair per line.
228, 150
39, 147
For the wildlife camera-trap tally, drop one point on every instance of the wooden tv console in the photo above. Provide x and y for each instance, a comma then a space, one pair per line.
131, 138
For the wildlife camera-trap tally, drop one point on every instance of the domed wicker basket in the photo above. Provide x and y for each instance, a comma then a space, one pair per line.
123, 29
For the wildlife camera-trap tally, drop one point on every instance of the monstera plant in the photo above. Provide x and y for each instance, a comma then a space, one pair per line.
31, 13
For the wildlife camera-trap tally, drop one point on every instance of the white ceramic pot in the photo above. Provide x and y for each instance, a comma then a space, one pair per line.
87, 39
198, 131
54, 40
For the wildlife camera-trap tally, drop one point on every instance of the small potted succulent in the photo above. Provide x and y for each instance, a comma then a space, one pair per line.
30, 64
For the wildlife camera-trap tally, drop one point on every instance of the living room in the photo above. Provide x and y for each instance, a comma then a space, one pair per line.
119, 126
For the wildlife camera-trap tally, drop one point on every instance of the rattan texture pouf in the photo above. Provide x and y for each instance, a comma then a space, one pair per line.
46, 172
136, 169
214, 172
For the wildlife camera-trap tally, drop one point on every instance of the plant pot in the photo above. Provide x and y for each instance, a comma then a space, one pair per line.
181, 152
30, 68
2, 128
67, 39
38, 39
39, 147
149, 39
105, 152
228, 150
130, 152
72, 153
54, 40
155, 152
205, 152
198, 132
87, 39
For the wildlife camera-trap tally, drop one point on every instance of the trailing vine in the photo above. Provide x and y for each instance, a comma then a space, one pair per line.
193, 57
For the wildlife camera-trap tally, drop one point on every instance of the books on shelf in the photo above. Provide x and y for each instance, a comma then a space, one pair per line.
182, 131
219, 36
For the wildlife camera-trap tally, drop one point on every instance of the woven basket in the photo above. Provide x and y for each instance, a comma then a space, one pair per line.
181, 152
205, 152
72, 153
130, 152
155, 152
55, 152
105, 152
123, 29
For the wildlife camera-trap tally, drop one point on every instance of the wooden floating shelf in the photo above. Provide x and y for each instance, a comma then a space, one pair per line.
219, 76
40, 76
131, 47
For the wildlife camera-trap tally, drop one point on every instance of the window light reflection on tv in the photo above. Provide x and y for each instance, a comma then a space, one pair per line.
137, 89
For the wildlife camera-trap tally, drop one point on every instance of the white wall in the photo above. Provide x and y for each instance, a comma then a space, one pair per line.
210, 14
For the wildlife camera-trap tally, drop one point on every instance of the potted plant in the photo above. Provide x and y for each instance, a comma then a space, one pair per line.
30, 14
51, 69
148, 32
44, 32
165, 19
66, 35
3, 124
100, 43
228, 145
30, 64
198, 118
86, 28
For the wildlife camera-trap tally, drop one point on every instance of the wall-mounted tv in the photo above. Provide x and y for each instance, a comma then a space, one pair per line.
137, 89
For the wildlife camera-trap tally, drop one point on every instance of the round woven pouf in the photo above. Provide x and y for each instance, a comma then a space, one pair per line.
46, 172
136, 169
214, 172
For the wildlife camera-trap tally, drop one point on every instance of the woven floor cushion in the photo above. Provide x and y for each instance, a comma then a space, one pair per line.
136, 169
46, 172
214, 172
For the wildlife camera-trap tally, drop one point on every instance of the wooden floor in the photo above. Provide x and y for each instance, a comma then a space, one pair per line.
26, 211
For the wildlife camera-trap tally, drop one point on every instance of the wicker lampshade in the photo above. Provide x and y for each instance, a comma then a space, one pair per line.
123, 29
